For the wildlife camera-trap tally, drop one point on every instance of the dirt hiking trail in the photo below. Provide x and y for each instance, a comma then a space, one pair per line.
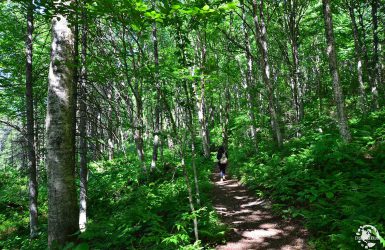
252, 224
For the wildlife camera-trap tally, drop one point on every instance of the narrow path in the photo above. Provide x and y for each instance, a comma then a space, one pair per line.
253, 226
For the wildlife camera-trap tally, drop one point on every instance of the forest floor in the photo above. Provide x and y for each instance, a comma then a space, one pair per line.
251, 221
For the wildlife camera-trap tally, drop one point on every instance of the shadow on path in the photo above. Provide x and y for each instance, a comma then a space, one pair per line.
253, 226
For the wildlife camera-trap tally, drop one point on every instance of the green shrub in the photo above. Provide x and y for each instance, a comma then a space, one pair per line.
333, 187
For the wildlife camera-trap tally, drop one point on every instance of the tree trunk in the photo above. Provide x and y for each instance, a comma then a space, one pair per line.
293, 14
320, 94
357, 49
298, 103
157, 107
62, 202
30, 137
375, 62
227, 118
183, 164
138, 122
261, 38
38, 138
331, 52
249, 79
190, 123
190, 197
138, 117
83, 146
99, 134
364, 49
75, 76
110, 125
201, 101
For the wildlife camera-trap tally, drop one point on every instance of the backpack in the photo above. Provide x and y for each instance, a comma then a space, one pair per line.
223, 159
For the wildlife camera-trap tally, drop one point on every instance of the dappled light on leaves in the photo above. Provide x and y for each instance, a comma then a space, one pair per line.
117, 116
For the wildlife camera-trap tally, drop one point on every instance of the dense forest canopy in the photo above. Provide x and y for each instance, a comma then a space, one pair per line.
111, 113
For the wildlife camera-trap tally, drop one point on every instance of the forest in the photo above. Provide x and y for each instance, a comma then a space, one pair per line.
112, 113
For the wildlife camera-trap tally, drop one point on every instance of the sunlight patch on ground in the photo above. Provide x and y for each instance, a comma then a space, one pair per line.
243, 211
251, 204
259, 234
268, 225
241, 197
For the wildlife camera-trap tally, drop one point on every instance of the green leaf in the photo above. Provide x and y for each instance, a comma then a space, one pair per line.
329, 195
141, 6
82, 246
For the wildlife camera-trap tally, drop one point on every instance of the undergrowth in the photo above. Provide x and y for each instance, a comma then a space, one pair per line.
127, 209
333, 187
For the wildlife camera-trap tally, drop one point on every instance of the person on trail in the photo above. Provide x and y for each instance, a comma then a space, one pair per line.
222, 161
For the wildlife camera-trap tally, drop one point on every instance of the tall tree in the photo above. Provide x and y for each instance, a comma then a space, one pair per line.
33, 188
333, 66
364, 41
294, 10
201, 98
261, 39
157, 87
249, 77
136, 88
83, 122
62, 202
358, 52
189, 108
376, 72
